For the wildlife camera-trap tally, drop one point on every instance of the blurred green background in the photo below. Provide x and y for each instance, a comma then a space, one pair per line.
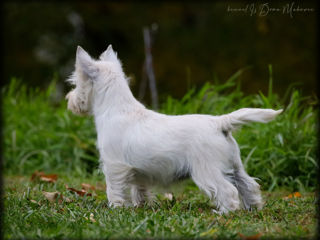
193, 43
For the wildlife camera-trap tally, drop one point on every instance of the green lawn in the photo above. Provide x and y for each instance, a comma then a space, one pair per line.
28, 214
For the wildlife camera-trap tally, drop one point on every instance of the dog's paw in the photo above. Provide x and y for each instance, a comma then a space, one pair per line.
216, 212
119, 203
220, 212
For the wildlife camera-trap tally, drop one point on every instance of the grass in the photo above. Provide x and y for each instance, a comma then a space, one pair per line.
28, 214
40, 134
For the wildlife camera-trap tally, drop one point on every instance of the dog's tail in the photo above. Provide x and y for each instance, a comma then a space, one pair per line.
246, 115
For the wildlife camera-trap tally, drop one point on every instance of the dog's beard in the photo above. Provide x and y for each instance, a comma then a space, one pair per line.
76, 105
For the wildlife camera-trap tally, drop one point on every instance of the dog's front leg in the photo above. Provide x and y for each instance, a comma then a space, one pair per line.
138, 194
117, 196
118, 178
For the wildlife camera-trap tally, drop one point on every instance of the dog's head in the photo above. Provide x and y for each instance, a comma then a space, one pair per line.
90, 75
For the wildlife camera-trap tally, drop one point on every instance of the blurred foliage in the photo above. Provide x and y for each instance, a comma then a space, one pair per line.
194, 42
40, 134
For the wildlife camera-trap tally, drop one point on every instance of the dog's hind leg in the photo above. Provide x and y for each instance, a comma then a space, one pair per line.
138, 194
214, 184
248, 188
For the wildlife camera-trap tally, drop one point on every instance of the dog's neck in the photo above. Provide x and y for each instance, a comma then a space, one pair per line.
115, 98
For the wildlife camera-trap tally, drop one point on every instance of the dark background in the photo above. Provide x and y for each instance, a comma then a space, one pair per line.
194, 42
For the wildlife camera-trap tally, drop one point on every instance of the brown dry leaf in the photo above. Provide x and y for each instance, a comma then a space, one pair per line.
49, 178
36, 174
34, 201
51, 196
44, 177
293, 195
87, 187
252, 237
81, 193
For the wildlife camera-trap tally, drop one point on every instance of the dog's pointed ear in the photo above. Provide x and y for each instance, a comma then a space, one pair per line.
109, 55
86, 63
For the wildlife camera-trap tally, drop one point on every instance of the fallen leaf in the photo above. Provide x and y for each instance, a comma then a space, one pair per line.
36, 174
208, 233
79, 192
293, 195
34, 201
44, 177
297, 194
168, 196
49, 178
87, 187
252, 237
91, 218
51, 196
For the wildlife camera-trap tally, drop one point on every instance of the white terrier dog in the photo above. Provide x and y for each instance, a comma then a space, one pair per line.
139, 147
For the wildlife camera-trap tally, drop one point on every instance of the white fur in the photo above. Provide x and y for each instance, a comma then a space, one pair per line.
139, 147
